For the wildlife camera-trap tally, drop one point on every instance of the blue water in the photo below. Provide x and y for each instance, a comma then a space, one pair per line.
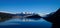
18, 23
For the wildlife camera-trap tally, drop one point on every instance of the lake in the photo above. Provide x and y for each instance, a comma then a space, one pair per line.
25, 23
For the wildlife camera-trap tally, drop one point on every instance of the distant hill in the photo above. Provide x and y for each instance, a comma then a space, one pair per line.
7, 16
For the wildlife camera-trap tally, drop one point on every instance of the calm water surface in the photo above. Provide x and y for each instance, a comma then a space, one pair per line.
28, 23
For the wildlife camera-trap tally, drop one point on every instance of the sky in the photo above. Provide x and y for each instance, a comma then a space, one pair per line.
36, 6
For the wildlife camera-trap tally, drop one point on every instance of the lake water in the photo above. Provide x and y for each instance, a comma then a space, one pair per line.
25, 23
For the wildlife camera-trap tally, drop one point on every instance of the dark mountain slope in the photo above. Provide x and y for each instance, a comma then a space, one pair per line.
55, 19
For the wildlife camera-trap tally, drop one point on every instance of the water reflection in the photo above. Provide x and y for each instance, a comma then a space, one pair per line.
27, 22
